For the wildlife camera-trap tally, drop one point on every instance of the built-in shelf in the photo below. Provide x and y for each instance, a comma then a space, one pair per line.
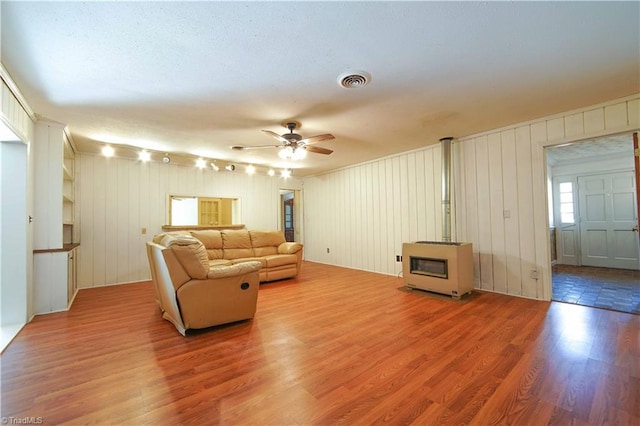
66, 173
55, 242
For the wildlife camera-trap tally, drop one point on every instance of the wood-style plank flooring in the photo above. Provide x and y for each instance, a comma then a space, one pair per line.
334, 346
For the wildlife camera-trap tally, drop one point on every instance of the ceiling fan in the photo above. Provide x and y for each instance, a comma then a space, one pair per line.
293, 146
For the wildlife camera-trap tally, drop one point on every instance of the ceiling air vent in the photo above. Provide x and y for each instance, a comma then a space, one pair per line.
352, 80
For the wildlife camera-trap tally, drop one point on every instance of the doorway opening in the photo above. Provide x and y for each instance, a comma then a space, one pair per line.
593, 213
291, 214
13, 236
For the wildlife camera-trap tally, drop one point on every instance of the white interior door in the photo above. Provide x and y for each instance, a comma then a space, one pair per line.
608, 216
567, 234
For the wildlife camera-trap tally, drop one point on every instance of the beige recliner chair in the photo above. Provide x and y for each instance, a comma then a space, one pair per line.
193, 295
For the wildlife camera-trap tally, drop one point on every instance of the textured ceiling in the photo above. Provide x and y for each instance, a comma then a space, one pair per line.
198, 77
618, 146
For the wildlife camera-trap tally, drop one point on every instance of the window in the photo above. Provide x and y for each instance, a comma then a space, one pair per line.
202, 211
566, 203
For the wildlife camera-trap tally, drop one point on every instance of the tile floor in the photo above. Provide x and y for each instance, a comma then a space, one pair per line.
614, 289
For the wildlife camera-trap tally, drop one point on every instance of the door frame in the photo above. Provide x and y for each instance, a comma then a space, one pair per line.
298, 211
547, 288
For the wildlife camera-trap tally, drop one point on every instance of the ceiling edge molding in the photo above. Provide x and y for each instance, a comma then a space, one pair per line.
13, 87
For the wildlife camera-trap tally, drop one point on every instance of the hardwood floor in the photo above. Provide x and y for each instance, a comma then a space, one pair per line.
334, 346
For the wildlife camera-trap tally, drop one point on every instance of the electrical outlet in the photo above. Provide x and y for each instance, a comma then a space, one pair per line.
398, 258
328, 250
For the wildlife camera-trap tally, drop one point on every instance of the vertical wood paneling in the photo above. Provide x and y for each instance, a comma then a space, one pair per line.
511, 223
615, 115
574, 125
420, 202
15, 115
373, 208
499, 265
594, 120
633, 113
396, 240
471, 207
484, 214
432, 189
437, 191
119, 197
522, 171
525, 207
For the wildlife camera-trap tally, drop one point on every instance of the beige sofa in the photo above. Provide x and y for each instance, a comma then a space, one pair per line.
193, 294
278, 259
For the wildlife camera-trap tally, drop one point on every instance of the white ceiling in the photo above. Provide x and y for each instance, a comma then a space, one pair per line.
198, 77
605, 148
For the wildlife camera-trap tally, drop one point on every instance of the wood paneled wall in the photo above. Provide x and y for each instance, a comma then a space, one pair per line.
359, 216
116, 198
501, 197
15, 115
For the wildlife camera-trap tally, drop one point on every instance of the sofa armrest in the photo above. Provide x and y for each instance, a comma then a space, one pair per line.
289, 248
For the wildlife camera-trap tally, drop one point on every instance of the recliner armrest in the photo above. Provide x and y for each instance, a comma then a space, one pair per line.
233, 270
289, 248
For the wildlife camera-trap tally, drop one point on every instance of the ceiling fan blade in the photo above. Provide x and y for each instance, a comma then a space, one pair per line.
316, 139
244, 147
275, 135
318, 150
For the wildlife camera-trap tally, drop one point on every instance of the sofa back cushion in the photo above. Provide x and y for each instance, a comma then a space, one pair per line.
212, 241
236, 244
190, 252
265, 243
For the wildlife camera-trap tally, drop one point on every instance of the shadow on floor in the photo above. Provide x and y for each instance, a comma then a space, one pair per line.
614, 289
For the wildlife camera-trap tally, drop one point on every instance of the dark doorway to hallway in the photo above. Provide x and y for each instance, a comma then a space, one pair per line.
614, 289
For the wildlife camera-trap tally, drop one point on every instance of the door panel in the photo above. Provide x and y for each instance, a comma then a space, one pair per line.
608, 216
567, 235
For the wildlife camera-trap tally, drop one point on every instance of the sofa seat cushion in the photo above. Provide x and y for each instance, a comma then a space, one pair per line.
262, 260
220, 262
280, 260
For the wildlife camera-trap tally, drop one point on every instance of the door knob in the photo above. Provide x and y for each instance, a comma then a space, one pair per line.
634, 229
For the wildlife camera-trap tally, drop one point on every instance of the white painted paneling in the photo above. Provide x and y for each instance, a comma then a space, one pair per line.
15, 116
511, 211
496, 198
484, 214
50, 270
365, 212
119, 197
519, 180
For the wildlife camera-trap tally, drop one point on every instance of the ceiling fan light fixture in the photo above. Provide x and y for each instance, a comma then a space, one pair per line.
285, 153
290, 153
354, 79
